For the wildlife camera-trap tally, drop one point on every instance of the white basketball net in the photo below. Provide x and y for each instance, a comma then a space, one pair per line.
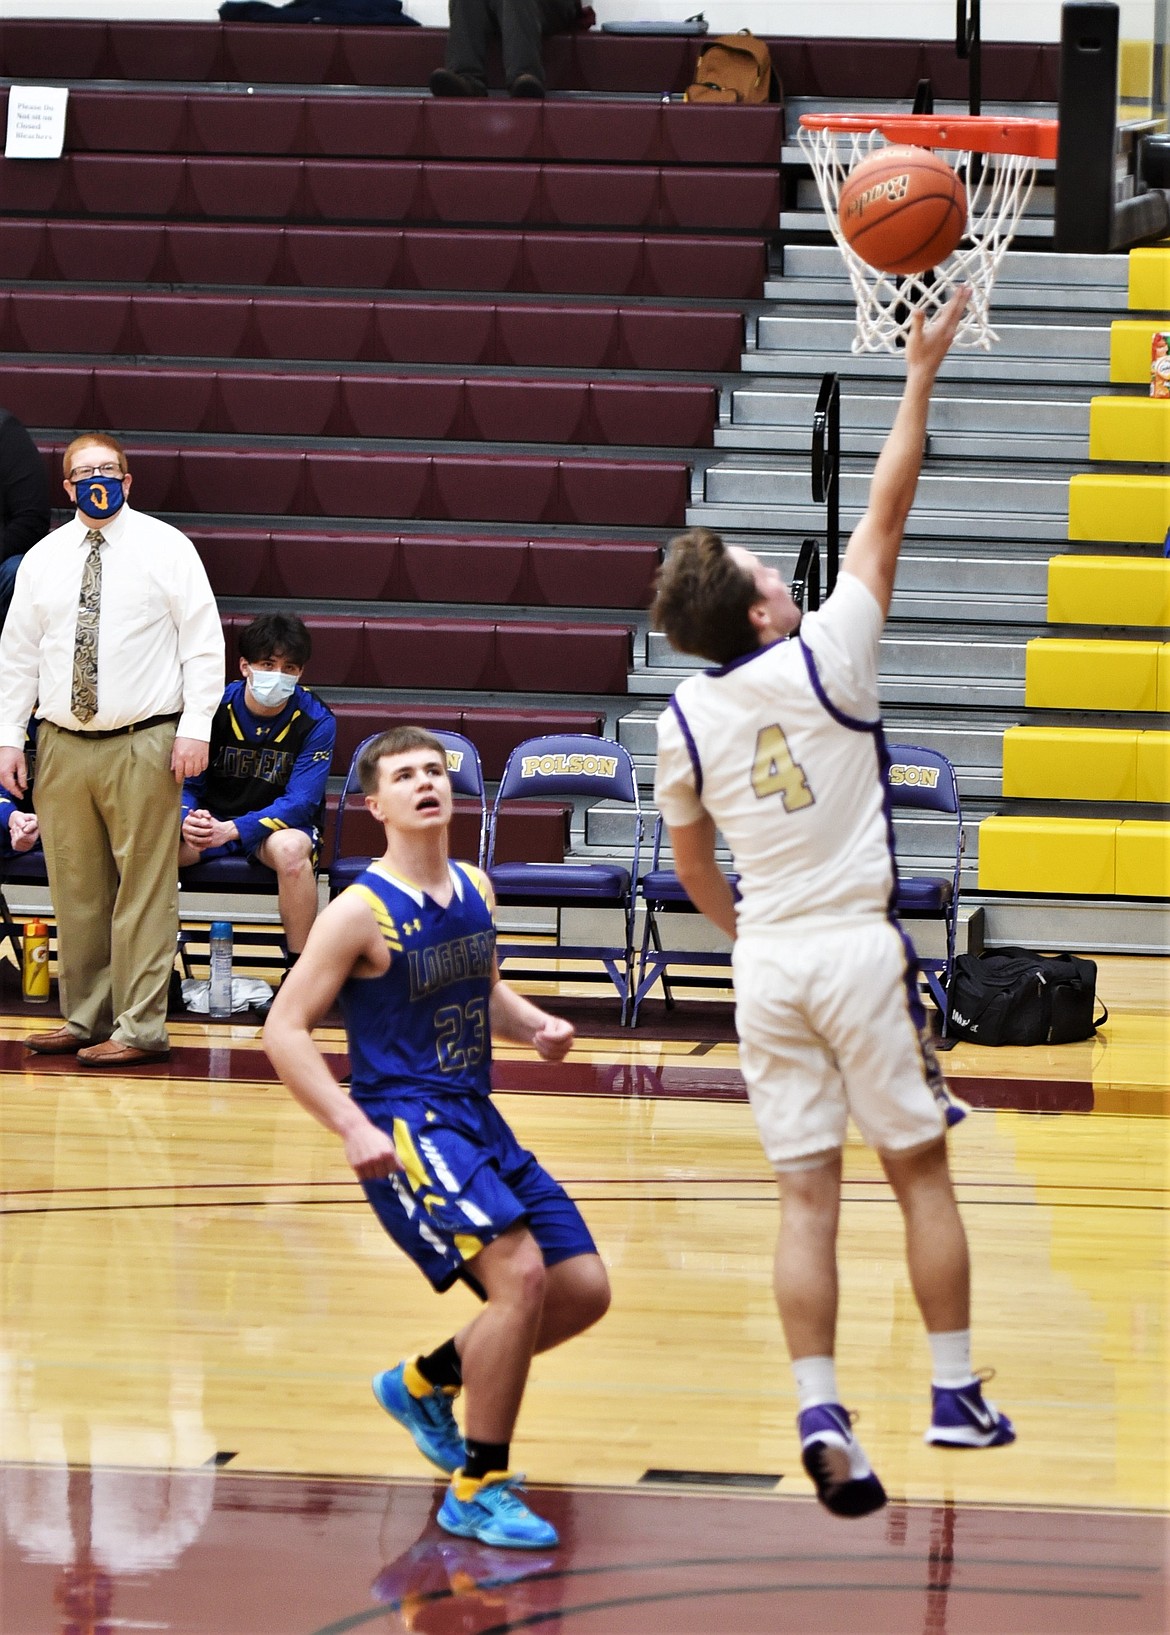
886, 302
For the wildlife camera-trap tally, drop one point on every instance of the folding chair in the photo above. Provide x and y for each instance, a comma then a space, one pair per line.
662, 892
924, 780
559, 767
466, 775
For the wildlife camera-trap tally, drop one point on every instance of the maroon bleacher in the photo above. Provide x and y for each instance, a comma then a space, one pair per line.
450, 654
300, 566
668, 265
61, 50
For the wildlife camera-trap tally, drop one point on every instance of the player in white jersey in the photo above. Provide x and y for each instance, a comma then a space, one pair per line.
780, 748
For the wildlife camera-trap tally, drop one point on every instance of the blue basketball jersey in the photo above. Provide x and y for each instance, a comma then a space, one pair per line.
422, 1027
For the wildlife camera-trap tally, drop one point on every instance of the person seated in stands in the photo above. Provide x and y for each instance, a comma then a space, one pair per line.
263, 793
19, 829
520, 25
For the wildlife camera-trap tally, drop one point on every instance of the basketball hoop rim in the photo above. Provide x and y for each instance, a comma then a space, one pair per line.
959, 133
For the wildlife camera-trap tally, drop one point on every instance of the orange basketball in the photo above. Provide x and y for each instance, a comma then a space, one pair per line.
903, 209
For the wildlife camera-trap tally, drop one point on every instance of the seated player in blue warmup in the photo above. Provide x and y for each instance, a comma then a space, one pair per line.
19, 829
410, 950
263, 793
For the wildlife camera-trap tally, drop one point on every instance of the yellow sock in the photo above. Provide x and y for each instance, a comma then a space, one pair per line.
417, 1384
466, 1487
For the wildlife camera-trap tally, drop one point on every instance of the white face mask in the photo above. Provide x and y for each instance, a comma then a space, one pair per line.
271, 687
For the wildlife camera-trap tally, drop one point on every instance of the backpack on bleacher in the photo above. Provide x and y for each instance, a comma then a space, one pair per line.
735, 68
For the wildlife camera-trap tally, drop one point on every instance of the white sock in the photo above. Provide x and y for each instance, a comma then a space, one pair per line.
816, 1381
950, 1356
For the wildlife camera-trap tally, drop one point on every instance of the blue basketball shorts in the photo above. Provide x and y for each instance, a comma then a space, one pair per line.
466, 1180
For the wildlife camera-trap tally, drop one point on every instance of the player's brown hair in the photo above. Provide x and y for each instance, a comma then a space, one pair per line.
702, 598
396, 741
102, 439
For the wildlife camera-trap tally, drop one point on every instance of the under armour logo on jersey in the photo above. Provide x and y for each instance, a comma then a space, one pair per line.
412, 926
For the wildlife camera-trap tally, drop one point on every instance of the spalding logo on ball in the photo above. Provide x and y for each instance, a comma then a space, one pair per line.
903, 210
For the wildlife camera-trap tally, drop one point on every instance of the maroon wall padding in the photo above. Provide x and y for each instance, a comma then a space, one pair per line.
52, 50
544, 263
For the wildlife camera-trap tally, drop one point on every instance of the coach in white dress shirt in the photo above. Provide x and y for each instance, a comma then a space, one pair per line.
114, 636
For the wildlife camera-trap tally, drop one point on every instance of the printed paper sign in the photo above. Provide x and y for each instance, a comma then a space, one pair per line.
36, 122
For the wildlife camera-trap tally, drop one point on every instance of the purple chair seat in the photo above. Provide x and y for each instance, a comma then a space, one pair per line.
919, 895
593, 882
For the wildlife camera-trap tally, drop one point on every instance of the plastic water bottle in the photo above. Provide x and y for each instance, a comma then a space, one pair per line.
219, 998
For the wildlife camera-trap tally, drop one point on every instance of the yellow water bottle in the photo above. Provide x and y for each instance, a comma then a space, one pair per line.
35, 971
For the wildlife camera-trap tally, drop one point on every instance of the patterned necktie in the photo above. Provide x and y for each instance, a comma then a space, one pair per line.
83, 699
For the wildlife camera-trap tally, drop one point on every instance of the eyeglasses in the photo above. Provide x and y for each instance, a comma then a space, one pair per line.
79, 474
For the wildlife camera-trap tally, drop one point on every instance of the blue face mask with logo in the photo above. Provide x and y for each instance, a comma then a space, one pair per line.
100, 497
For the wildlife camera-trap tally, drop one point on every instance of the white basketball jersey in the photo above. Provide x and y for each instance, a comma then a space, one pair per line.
783, 749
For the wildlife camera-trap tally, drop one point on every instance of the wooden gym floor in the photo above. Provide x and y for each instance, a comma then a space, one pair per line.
195, 1295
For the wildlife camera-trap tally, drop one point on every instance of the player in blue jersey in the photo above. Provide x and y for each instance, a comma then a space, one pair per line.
263, 793
409, 949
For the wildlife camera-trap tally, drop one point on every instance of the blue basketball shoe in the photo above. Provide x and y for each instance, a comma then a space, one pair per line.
833, 1458
489, 1510
429, 1419
961, 1417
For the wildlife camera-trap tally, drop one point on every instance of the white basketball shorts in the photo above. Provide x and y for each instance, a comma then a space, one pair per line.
826, 1031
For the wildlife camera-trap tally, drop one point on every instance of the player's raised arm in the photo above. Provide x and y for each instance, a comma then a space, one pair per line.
344, 942
872, 553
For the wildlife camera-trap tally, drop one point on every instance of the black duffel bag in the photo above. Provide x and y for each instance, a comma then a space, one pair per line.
1011, 996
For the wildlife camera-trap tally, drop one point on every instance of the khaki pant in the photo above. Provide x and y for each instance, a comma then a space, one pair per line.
109, 816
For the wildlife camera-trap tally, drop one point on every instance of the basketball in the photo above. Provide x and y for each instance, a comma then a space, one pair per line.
903, 209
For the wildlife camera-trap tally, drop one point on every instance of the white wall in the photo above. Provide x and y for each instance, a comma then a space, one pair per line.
902, 19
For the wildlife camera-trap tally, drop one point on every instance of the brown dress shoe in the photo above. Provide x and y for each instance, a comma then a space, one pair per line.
114, 1053
526, 85
61, 1042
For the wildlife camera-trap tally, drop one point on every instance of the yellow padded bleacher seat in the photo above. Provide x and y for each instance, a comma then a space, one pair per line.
1152, 781
1069, 674
1109, 590
1074, 857
1121, 506
1130, 341
1143, 859
1129, 428
1070, 763
1164, 676
1149, 280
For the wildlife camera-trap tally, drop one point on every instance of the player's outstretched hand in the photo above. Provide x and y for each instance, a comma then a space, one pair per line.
554, 1040
370, 1153
930, 338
